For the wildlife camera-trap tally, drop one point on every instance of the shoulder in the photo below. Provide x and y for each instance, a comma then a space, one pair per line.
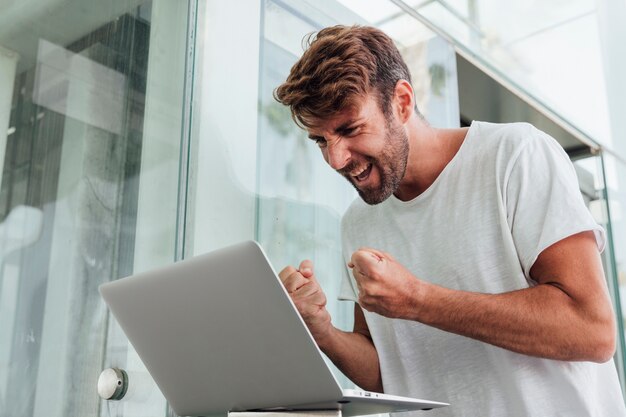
503, 135
507, 141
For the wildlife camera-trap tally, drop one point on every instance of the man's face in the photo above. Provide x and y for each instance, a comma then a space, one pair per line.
368, 149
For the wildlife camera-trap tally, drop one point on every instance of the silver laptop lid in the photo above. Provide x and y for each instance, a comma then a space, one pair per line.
218, 332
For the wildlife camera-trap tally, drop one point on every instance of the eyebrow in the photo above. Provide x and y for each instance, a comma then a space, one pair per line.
339, 129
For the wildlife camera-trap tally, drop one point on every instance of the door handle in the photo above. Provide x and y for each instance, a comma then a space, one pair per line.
112, 384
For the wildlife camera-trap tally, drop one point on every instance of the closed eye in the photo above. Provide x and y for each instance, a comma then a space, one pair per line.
319, 140
344, 131
349, 131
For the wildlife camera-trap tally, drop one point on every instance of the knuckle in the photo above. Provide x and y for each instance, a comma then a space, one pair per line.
289, 284
361, 257
286, 272
293, 278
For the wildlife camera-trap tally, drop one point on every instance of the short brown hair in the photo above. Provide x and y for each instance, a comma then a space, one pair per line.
340, 64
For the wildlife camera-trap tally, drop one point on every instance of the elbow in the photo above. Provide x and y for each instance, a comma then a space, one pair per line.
607, 350
602, 346
603, 352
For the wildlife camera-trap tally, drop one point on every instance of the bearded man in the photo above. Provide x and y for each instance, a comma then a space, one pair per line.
473, 262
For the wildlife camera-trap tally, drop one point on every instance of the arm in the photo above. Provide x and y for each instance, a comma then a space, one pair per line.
352, 352
566, 316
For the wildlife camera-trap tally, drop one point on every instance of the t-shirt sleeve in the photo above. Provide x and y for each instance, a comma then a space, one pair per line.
543, 200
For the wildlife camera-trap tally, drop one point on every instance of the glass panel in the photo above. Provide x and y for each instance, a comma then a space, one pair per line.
552, 69
521, 19
611, 16
254, 175
614, 170
450, 20
299, 198
90, 122
599, 185
544, 49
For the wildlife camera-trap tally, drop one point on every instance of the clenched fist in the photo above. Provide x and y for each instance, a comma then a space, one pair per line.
385, 286
308, 297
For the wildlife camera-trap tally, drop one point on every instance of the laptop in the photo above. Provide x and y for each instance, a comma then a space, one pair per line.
218, 333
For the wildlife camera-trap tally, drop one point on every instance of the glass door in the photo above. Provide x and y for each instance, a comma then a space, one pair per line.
253, 173
91, 124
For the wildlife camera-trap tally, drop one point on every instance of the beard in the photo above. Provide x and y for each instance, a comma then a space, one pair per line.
391, 165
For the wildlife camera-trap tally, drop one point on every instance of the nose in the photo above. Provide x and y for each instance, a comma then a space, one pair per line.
337, 155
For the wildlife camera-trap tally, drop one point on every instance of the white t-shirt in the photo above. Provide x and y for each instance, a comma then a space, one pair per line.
508, 194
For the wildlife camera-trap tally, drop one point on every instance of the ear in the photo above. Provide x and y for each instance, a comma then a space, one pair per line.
404, 101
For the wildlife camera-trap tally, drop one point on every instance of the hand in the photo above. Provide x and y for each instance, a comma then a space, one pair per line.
308, 297
385, 286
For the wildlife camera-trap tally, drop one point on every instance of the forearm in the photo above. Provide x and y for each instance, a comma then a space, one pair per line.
540, 321
355, 355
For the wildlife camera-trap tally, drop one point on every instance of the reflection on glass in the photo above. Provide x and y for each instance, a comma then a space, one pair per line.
300, 200
74, 78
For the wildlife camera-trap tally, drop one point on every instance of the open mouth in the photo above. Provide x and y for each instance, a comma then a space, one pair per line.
364, 174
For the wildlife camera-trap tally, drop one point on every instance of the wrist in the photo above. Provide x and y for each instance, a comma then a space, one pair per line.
324, 339
419, 297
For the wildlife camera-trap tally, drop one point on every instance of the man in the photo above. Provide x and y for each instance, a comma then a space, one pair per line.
475, 264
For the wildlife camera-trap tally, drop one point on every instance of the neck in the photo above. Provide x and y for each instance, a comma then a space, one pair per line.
430, 151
